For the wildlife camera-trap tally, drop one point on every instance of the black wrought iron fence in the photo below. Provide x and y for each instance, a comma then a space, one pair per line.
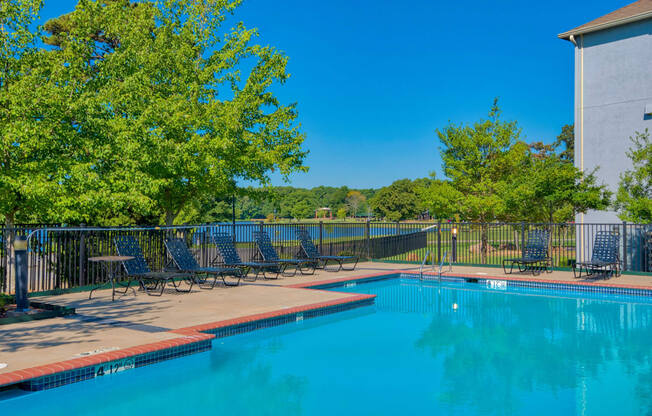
490, 243
58, 256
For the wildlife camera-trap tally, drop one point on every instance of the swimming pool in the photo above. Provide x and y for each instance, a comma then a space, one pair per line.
450, 348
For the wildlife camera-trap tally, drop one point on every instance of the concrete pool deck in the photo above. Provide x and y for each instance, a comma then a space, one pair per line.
140, 324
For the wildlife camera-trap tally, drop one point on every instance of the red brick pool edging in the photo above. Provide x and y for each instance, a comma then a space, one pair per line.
26, 374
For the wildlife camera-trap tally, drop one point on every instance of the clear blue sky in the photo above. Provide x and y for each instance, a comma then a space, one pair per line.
374, 78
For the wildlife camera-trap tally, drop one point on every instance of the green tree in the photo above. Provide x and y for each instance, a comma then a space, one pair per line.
34, 129
552, 189
190, 107
439, 197
398, 201
302, 209
567, 139
354, 200
482, 161
634, 196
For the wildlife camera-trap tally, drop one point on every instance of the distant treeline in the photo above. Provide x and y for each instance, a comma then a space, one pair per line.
281, 202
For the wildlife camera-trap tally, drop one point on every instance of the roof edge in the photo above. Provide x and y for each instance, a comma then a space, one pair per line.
607, 25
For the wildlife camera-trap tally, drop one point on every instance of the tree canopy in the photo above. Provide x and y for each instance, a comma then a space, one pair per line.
634, 197
142, 108
32, 121
481, 161
398, 201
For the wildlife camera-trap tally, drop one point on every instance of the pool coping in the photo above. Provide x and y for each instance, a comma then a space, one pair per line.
198, 338
594, 286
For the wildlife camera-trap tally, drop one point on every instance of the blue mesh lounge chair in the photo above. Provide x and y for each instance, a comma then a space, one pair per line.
231, 258
321, 262
269, 254
153, 283
186, 262
535, 255
604, 257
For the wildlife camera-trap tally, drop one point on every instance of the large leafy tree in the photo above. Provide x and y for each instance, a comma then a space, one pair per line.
188, 105
634, 197
482, 160
35, 130
438, 196
398, 201
552, 189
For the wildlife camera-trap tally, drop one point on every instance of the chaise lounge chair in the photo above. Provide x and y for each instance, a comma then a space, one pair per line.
269, 255
535, 255
321, 262
186, 262
231, 258
137, 268
604, 257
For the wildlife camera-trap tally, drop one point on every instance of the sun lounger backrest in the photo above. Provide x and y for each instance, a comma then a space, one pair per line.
537, 245
128, 246
605, 247
265, 246
307, 244
181, 254
226, 248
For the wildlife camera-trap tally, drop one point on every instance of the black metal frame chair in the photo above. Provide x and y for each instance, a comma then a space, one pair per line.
184, 260
604, 257
231, 258
269, 255
535, 255
321, 262
137, 267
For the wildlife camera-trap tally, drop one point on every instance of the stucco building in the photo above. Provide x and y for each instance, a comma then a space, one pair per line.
613, 92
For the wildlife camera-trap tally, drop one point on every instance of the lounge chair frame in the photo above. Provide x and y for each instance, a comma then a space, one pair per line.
309, 251
184, 260
231, 258
605, 258
535, 258
269, 255
153, 283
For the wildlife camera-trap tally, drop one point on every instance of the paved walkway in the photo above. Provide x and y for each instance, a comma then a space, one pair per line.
131, 321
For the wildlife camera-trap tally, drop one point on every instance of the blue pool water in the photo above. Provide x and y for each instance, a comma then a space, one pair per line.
458, 348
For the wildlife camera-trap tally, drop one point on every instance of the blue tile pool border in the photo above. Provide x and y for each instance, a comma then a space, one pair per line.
111, 367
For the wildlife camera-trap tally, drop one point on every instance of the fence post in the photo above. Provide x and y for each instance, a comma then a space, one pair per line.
551, 247
439, 241
20, 252
321, 235
522, 236
367, 231
624, 245
398, 231
82, 252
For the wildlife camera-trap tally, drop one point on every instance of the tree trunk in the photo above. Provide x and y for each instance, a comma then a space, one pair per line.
170, 216
484, 241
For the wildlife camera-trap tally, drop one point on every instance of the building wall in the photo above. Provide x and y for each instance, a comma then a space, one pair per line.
613, 84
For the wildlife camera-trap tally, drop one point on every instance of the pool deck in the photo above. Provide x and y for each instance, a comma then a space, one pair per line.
141, 324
